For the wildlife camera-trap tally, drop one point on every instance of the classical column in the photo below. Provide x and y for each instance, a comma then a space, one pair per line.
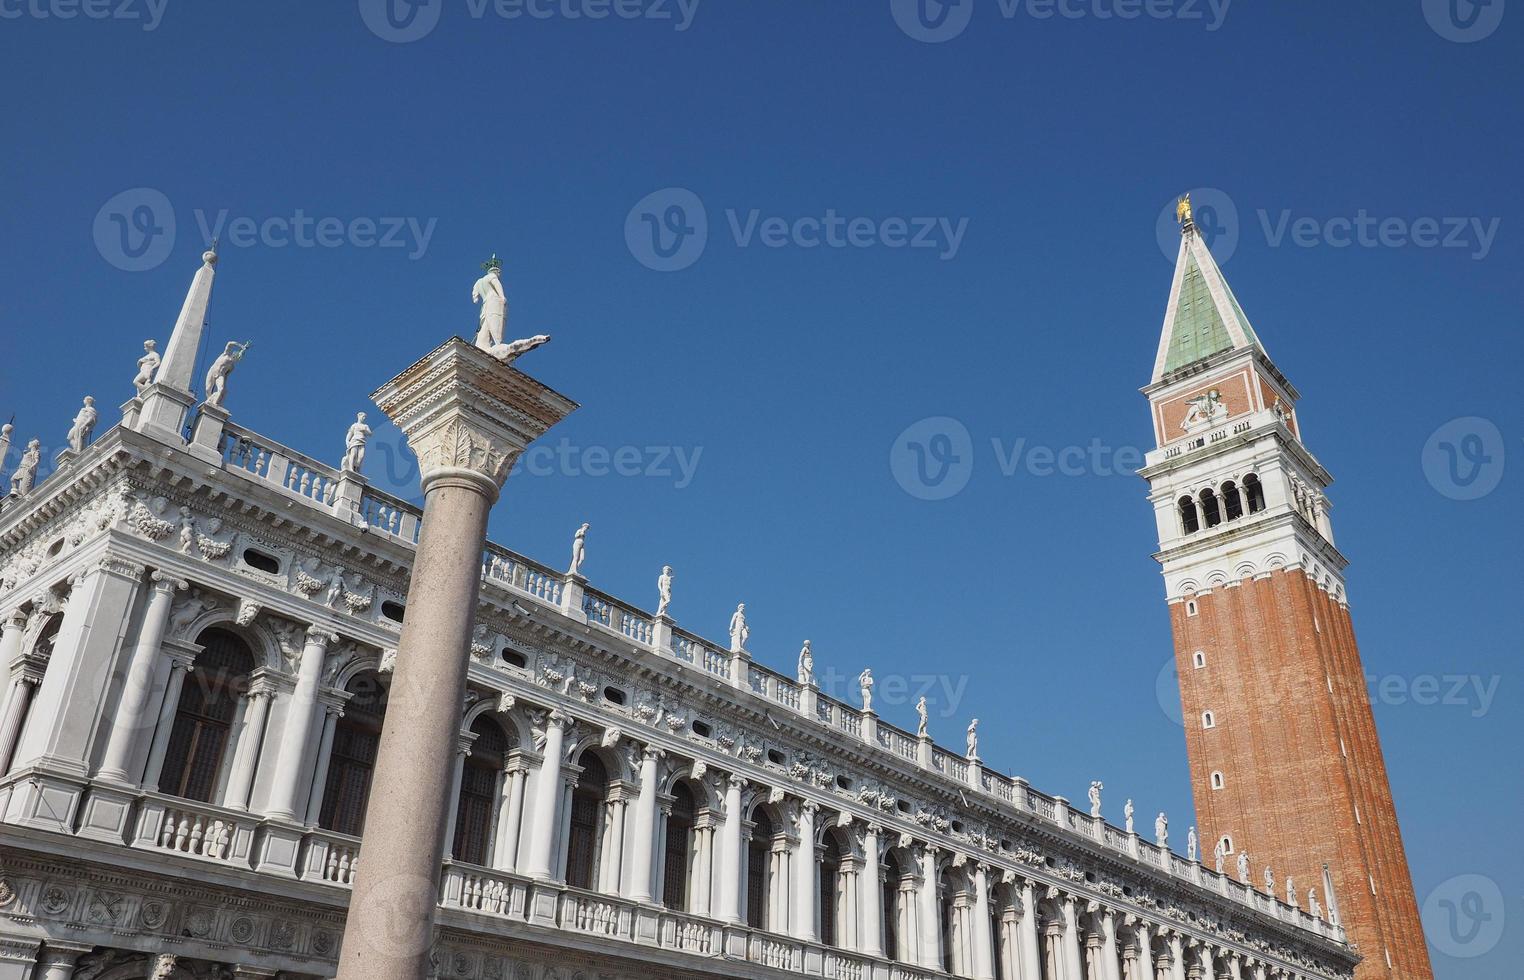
1110, 966
461, 752
780, 891
129, 723
984, 968
246, 754
730, 853
871, 897
10, 644
510, 822
613, 851
154, 771
1073, 967
1031, 953
1145, 950
805, 876
547, 797
58, 960
643, 871
1205, 954
931, 911
1176, 957
15, 713
467, 416
701, 892
301, 719
331, 715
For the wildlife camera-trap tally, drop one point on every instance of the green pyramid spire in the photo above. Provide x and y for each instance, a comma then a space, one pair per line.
1204, 317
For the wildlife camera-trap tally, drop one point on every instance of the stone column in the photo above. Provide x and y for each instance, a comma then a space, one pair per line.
467, 416
612, 874
1031, 953
461, 752
701, 894
1145, 951
871, 898
1111, 968
931, 912
154, 772
1072, 963
246, 754
510, 824
331, 716
805, 876
730, 853
643, 872
301, 719
58, 960
984, 967
10, 642
15, 713
548, 790
1176, 957
131, 721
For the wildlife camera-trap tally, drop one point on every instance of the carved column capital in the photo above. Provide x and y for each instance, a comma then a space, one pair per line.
467, 416
166, 583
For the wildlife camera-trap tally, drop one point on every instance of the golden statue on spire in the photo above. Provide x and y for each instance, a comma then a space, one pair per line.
1183, 210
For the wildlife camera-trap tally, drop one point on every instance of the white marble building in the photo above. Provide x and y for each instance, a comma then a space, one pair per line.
198, 630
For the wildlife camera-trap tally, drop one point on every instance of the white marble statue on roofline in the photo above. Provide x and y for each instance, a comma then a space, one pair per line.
26, 469
1095, 797
84, 426
806, 665
5, 443
739, 631
865, 688
579, 551
1191, 845
493, 318
1220, 854
1161, 830
664, 590
1243, 867
1127, 814
217, 375
148, 366
971, 742
355, 441
923, 719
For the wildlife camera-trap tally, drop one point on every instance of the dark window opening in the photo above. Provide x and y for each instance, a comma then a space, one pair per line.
203, 723
1232, 502
586, 814
355, 741
1210, 512
394, 611
268, 564
1188, 519
1255, 491
479, 792
674, 892
758, 856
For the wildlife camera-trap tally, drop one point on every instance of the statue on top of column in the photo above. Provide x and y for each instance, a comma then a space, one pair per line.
354, 445
739, 631
1095, 797
217, 375
806, 666
26, 469
148, 366
664, 590
84, 425
579, 550
493, 319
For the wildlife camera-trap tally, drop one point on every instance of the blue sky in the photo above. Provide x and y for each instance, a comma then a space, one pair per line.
1032, 156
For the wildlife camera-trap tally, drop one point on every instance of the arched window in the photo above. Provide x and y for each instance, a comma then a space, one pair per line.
1208, 720
1200, 659
1255, 492
1211, 513
758, 856
1219, 780
1189, 522
674, 890
586, 821
1227, 845
479, 792
42, 649
204, 718
1191, 608
355, 740
830, 890
1232, 503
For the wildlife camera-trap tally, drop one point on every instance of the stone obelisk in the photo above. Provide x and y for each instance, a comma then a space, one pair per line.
467, 416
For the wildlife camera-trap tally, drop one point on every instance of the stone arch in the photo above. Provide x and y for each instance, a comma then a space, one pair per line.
257, 634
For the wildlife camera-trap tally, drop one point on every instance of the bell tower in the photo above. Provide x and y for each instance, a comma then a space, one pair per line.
1285, 760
